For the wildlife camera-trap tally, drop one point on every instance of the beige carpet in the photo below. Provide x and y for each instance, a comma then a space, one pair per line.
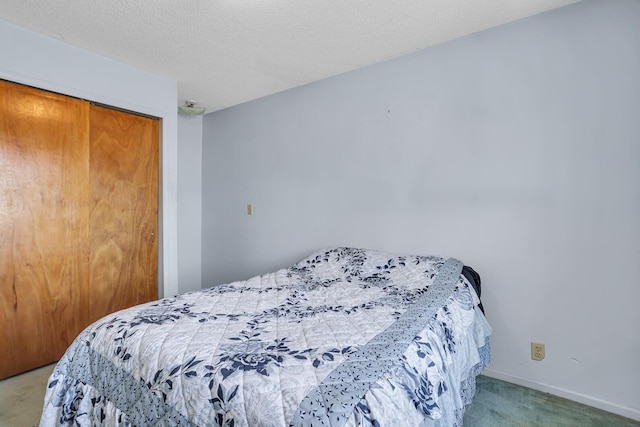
21, 395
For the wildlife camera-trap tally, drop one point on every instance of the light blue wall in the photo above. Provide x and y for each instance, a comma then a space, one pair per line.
516, 150
189, 202
32, 59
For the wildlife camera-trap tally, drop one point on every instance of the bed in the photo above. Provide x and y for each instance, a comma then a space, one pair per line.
345, 337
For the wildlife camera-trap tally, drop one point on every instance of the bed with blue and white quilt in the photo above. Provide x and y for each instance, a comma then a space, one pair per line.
345, 337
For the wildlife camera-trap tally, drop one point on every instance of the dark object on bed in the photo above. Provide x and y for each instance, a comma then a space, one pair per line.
474, 278
345, 337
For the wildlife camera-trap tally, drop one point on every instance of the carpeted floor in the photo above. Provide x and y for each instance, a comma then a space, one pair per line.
497, 404
22, 396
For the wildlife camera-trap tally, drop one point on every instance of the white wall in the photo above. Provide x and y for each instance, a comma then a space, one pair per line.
516, 150
189, 202
29, 58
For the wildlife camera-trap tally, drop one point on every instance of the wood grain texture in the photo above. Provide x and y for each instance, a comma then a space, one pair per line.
44, 251
123, 210
78, 220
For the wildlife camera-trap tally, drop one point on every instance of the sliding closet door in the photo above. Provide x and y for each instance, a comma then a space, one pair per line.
78, 220
44, 250
124, 210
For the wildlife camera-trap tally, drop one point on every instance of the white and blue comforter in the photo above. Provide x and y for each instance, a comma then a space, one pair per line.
344, 337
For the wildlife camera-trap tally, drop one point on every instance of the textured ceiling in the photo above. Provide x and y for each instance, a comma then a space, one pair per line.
225, 52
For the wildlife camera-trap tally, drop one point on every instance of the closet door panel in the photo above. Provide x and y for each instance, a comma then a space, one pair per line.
123, 210
44, 252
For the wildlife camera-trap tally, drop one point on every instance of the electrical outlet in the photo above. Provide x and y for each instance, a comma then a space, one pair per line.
537, 350
249, 209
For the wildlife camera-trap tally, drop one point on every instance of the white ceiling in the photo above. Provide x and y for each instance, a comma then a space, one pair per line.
225, 52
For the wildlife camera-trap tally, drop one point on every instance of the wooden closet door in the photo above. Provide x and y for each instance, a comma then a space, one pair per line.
44, 250
78, 220
124, 210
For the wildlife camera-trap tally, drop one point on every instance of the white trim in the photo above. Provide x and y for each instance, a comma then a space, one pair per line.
624, 411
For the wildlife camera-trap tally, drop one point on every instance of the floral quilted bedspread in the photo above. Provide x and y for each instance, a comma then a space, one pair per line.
344, 337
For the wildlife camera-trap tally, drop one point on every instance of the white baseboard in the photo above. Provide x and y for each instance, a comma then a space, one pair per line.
624, 411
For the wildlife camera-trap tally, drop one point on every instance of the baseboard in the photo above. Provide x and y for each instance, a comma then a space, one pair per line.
624, 411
